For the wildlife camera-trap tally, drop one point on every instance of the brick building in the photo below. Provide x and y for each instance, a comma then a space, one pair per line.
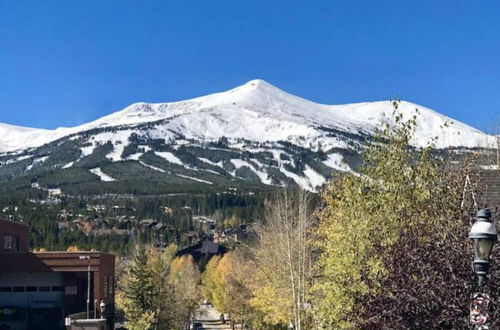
13, 236
39, 289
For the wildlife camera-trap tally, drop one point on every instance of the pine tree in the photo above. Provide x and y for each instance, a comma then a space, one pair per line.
141, 291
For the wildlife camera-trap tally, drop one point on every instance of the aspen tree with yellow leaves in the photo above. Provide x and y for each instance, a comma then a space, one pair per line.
184, 280
226, 284
283, 259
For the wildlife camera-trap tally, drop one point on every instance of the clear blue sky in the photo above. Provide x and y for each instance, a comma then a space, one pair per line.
66, 62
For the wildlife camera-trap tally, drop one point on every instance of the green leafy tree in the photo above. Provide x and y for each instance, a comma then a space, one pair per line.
393, 251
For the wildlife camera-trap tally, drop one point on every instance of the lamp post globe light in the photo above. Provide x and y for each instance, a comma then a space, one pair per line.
483, 235
102, 309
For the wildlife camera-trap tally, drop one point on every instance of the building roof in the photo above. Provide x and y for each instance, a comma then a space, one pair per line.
14, 223
54, 261
203, 248
209, 247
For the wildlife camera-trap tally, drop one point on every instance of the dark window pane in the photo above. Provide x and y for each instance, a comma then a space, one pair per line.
7, 242
18, 289
31, 289
5, 289
43, 288
105, 286
57, 289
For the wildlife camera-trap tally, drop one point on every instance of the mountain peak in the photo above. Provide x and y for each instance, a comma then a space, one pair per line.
258, 94
258, 83
257, 86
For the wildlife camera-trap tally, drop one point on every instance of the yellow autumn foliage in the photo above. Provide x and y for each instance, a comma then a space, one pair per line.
73, 248
364, 217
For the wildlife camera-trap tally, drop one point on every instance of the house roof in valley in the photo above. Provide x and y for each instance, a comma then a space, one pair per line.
203, 248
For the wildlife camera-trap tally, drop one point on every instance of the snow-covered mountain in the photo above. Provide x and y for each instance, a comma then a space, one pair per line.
258, 111
252, 132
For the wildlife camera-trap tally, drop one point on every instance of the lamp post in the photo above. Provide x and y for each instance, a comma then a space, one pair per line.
102, 308
483, 235
88, 284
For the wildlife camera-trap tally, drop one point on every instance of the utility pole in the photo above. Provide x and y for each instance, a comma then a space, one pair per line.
498, 150
88, 284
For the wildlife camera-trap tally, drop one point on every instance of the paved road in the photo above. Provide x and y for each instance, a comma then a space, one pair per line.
209, 317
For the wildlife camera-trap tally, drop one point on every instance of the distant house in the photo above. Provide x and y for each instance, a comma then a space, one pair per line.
217, 238
158, 226
80, 223
148, 223
204, 223
53, 193
100, 223
98, 232
203, 250
63, 225
191, 236
234, 234
123, 222
96, 208
167, 210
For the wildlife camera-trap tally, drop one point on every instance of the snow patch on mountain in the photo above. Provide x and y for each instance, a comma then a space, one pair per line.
263, 176
68, 165
336, 161
15, 137
103, 176
86, 151
169, 157
15, 160
152, 167
134, 156
208, 161
299, 180
35, 162
194, 179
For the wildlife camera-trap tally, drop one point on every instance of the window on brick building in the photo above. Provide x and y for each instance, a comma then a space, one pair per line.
7, 242
106, 289
10, 243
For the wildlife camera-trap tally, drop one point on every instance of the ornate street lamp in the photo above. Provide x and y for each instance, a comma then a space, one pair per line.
483, 235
